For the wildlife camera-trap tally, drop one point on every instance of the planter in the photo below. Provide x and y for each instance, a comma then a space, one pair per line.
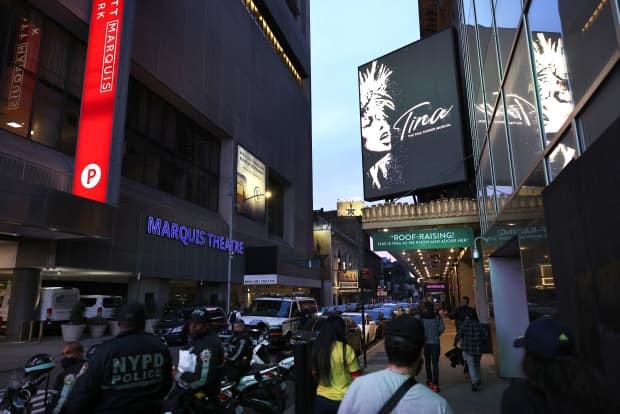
97, 331
71, 333
114, 328
149, 324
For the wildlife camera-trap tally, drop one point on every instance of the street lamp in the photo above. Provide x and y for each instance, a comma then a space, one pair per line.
475, 253
257, 193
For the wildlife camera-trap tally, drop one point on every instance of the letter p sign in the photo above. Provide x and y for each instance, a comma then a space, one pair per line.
91, 175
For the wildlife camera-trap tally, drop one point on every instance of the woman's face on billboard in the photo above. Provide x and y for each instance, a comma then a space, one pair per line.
376, 133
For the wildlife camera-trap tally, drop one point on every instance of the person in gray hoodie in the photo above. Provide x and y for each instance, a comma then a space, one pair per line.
433, 328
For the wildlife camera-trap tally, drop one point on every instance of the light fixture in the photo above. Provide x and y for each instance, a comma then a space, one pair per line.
475, 253
14, 124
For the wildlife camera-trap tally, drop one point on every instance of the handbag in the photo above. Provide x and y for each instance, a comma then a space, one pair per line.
397, 396
455, 355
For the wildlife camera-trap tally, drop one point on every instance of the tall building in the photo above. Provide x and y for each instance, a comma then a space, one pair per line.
541, 79
201, 109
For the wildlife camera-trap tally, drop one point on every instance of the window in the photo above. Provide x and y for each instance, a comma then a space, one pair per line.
563, 153
507, 17
166, 150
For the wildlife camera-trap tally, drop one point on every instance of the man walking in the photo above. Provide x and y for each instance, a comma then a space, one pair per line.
395, 389
433, 328
471, 337
130, 373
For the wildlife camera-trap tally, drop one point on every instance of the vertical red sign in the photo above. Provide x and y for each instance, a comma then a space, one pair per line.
92, 156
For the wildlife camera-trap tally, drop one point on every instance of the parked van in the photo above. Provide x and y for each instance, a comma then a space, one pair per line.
100, 305
55, 303
5, 294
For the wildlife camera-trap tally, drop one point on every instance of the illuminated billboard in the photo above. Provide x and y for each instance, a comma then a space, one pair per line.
411, 119
251, 193
94, 142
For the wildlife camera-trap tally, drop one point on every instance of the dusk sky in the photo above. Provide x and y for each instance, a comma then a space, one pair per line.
344, 35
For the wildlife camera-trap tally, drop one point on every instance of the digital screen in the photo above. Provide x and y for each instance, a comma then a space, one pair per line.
251, 193
411, 119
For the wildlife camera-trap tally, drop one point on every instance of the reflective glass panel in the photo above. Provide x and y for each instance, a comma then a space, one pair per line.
488, 189
525, 141
550, 66
563, 153
488, 50
507, 17
499, 154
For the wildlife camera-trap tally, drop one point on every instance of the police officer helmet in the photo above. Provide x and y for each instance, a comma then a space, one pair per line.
39, 364
200, 315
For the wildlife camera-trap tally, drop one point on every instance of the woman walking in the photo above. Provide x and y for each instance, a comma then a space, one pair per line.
433, 328
334, 365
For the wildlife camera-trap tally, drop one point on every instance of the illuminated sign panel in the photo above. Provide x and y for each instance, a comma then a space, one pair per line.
348, 279
424, 239
92, 158
411, 119
250, 185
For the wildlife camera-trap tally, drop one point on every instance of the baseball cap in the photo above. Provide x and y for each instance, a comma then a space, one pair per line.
406, 326
200, 315
547, 337
132, 312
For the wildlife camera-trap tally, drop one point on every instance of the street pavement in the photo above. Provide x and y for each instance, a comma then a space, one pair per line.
455, 386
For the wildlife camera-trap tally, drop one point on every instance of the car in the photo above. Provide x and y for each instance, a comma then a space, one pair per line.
282, 315
173, 326
380, 320
100, 305
370, 327
353, 332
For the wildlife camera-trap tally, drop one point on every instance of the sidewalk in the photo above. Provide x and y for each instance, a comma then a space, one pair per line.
455, 386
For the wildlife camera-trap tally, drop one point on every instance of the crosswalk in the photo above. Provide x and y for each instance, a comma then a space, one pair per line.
37, 403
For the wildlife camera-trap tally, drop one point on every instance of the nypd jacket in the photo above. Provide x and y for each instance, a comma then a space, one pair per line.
132, 371
200, 363
240, 349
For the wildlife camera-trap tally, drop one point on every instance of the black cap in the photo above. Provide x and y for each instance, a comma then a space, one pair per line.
547, 337
406, 326
133, 313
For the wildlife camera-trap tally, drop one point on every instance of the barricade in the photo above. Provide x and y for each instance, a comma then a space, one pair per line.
29, 327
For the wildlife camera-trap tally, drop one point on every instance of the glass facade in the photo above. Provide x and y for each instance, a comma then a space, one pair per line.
540, 86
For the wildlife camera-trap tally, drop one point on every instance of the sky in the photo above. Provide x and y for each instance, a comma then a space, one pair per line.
344, 35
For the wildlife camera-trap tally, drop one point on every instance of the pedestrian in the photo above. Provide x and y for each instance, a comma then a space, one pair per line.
131, 372
234, 315
433, 328
557, 380
470, 339
334, 365
239, 353
200, 368
462, 311
71, 363
394, 389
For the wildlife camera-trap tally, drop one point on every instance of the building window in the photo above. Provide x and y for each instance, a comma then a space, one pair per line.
165, 149
41, 83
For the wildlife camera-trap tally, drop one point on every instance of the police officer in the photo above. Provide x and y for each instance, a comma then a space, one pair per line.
200, 365
71, 363
238, 359
132, 371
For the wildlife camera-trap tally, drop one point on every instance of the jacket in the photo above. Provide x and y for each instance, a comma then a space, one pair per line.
63, 386
461, 312
472, 336
433, 326
200, 363
130, 373
240, 349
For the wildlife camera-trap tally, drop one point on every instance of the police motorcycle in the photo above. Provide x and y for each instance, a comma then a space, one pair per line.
262, 388
18, 397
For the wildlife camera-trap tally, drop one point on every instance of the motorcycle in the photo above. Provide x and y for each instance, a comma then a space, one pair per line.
262, 388
18, 397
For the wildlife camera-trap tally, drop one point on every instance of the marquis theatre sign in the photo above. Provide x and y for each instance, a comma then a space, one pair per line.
411, 120
424, 239
94, 143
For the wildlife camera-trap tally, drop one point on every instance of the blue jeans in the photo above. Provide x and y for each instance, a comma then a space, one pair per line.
473, 361
431, 362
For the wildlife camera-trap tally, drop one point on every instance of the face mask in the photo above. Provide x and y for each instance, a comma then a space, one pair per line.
67, 362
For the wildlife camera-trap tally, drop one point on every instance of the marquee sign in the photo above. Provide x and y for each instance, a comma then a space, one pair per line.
94, 142
445, 238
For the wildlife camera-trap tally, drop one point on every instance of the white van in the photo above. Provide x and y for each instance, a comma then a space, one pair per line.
5, 294
55, 303
100, 305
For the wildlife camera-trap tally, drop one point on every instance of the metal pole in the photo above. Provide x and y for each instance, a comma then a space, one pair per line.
363, 325
230, 236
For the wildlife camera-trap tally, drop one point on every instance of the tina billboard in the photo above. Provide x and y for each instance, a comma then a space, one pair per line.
411, 119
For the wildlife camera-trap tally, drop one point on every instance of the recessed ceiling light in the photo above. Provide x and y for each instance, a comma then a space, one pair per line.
385, 230
14, 124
